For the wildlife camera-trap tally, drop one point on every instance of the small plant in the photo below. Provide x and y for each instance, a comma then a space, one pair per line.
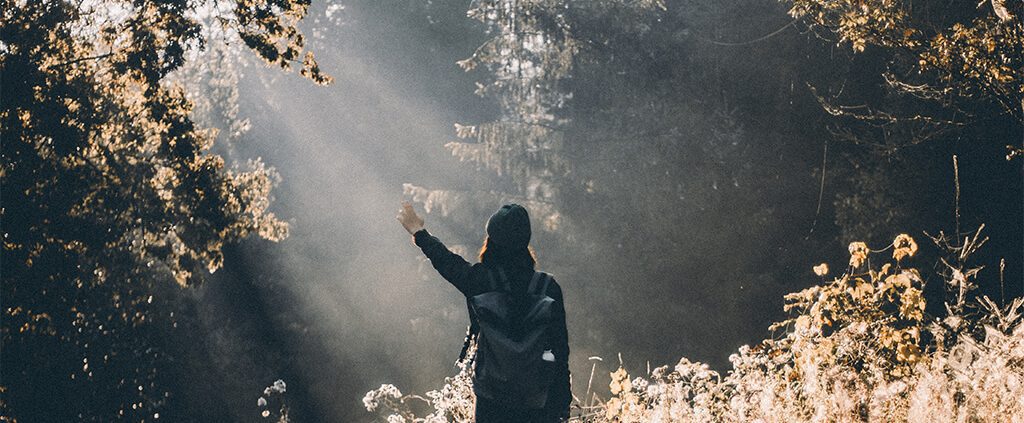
454, 402
274, 393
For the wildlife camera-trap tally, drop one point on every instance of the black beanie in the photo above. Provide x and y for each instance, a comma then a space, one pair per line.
509, 227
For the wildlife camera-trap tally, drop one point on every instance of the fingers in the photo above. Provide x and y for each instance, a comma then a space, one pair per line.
408, 218
405, 212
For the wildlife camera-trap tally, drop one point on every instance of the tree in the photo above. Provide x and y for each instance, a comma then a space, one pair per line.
928, 75
110, 190
956, 57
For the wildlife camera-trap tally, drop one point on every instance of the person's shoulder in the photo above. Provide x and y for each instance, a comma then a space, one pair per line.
554, 289
481, 276
478, 270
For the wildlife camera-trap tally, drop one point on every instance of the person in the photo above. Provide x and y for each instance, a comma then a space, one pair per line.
506, 263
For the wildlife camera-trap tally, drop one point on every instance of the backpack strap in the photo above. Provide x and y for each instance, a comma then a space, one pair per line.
491, 283
544, 279
474, 327
530, 289
504, 280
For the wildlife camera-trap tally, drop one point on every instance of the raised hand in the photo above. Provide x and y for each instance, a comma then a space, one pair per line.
409, 219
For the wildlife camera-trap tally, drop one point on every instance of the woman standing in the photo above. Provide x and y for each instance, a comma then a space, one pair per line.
521, 369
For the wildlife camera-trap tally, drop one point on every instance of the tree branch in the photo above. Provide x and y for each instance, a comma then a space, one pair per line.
80, 59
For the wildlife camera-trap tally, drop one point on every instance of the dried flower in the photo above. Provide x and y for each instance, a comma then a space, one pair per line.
862, 290
858, 253
904, 246
908, 352
374, 398
821, 269
912, 304
620, 382
612, 408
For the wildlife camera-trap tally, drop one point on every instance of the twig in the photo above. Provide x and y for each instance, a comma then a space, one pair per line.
821, 191
592, 368
755, 40
80, 59
956, 181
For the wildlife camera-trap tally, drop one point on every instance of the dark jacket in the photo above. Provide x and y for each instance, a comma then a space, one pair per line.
472, 280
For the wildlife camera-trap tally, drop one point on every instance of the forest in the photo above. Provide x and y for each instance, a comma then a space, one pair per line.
758, 210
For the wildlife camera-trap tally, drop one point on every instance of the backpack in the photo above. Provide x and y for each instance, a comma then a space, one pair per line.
512, 335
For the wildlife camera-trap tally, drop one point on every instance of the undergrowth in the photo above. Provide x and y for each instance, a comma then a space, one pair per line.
857, 348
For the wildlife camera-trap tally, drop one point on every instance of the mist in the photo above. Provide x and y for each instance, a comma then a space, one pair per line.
685, 165
347, 303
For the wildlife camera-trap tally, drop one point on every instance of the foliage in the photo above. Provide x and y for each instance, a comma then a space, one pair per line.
110, 188
950, 54
857, 348
922, 73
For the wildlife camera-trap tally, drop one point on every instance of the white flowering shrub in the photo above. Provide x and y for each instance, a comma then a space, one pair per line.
857, 348
454, 402
274, 394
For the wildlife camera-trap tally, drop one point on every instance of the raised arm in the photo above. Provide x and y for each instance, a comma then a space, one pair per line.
451, 266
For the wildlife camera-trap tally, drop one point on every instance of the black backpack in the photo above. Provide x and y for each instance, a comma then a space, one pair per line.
512, 334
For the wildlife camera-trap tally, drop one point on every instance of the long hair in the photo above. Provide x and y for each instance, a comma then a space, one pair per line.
494, 254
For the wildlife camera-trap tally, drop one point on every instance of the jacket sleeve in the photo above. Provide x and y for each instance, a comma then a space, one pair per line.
451, 266
562, 389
